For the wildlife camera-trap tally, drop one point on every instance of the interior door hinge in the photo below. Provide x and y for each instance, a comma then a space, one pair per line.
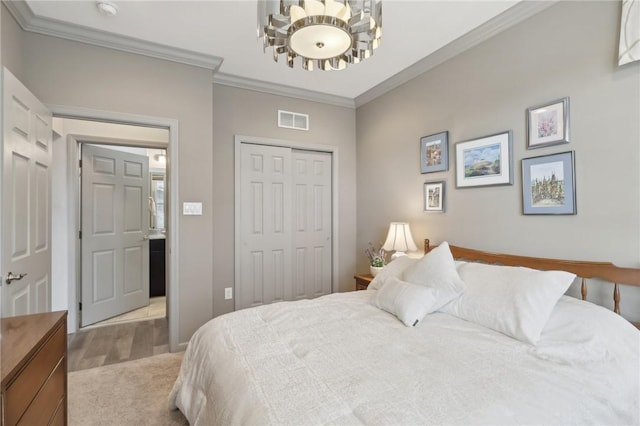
80, 306
80, 163
79, 235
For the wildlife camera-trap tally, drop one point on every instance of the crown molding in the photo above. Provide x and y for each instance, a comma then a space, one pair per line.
512, 16
53, 27
282, 90
20, 11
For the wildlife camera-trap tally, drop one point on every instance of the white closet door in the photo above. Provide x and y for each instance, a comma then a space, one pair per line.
26, 201
312, 254
285, 225
265, 231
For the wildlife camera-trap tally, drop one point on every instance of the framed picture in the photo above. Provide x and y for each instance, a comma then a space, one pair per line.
548, 184
485, 161
548, 124
434, 153
434, 196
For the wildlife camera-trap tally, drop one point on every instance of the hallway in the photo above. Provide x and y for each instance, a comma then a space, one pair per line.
111, 344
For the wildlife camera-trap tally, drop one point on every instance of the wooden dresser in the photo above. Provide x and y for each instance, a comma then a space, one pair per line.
34, 369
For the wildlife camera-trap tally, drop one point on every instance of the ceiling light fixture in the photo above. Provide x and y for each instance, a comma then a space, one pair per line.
107, 8
331, 33
160, 158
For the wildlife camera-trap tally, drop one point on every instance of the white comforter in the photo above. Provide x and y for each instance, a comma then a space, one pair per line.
339, 360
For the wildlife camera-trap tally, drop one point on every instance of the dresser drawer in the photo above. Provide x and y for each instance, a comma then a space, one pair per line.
24, 388
60, 416
43, 408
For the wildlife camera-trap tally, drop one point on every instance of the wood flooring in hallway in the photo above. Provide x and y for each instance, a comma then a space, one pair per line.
112, 344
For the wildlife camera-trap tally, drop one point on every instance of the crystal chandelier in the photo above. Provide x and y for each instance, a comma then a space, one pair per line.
327, 34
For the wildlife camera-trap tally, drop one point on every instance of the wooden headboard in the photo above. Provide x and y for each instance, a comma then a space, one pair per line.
606, 271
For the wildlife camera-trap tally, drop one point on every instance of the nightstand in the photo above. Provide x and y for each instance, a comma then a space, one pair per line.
363, 281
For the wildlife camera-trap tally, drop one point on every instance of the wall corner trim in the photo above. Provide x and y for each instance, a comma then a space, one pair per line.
67, 30
281, 90
512, 16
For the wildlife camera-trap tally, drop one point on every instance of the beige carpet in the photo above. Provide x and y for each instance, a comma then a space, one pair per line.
130, 393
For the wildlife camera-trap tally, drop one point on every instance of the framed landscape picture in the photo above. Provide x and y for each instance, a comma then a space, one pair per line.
434, 196
548, 184
548, 124
485, 161
434, 153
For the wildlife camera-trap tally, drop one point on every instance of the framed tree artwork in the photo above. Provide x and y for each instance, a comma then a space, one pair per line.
434, 196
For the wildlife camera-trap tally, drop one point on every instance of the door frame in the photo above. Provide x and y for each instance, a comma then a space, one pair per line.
333, 150
173, 208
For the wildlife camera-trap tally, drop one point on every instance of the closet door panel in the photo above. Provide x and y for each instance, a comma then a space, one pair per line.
313, 223
265, 232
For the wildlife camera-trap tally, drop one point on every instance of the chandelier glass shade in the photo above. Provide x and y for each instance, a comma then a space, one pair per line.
323, 34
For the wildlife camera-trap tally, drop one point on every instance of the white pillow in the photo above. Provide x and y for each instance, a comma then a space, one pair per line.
409, 302
393, 269
437, 271
515, 301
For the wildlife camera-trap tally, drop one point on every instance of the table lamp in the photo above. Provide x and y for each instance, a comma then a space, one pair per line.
399, 239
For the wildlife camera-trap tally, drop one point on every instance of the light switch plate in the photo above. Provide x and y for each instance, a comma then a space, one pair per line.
192, 209
228, 293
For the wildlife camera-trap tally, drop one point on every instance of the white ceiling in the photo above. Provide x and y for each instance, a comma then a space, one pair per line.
216, 30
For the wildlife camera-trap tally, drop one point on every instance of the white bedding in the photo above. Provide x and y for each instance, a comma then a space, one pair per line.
340, 360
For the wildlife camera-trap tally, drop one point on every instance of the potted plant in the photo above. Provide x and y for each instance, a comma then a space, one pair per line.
376, 259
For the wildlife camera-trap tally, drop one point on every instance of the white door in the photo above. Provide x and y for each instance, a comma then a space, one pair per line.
285, 225
114, 236
26, 201
311, 224
265, 225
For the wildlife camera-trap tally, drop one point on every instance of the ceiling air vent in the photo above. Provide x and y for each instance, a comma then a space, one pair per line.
293, 120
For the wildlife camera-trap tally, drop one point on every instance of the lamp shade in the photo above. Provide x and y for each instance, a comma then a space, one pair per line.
399, 238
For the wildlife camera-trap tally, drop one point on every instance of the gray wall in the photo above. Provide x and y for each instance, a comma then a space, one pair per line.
249, 113
74, 74
568, 50
11, 43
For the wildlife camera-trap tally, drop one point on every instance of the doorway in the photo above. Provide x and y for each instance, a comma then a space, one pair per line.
123, 232
89, 127
63, 199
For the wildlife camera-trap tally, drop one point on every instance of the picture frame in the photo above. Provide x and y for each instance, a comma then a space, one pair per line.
549, 184
548, 124
434, 193
485, 161
434, 153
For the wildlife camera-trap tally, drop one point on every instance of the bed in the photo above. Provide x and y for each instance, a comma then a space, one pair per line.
483, 344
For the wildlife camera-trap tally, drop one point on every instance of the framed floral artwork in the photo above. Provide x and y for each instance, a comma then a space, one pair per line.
548, 124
